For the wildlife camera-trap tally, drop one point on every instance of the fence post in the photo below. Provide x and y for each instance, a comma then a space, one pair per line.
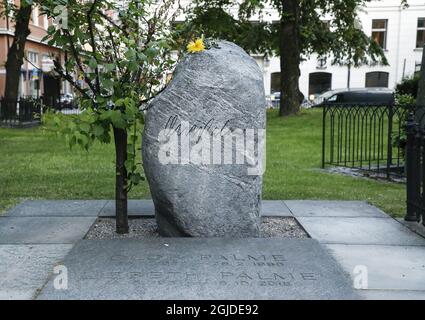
390, 139
422, 168
412, 181
324, 137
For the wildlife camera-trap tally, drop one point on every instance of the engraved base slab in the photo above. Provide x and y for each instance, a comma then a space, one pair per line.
193, 268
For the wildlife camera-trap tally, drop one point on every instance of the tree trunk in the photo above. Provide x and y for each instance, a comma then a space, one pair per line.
290, 52
120, 139
15, 57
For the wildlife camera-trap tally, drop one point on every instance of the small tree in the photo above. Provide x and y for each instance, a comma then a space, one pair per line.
117, 58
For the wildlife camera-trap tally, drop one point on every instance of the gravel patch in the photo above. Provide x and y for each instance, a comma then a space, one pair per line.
104, 229
281, 228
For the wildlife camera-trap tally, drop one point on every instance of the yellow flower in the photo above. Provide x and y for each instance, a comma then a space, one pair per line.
196, 46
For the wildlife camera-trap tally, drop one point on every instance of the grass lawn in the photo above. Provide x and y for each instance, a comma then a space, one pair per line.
35, 164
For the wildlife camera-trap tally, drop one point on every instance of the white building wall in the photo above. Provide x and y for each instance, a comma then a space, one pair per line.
401, 49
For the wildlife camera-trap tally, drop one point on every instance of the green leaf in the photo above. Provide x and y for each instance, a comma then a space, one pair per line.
130, 54
118, 120
135, 178
108, 83
110, 67
119, 102
151, 52
129, 165
142, 56
93, 63
133, 66
98, 130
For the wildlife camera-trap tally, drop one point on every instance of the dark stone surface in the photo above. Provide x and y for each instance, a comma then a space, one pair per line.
275, 208
416, 227
392, 295
24, 269
141, 208
328, 208
388, 267
43, 230
58, 208
359, 230
196, 268
207, 200
146, 208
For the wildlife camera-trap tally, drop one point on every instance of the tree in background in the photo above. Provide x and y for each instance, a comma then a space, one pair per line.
325, 27
117, 60
20, 16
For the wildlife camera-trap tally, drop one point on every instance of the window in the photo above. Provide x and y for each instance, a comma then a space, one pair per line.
319, 82
379, 32
334, 98
322, 62
418, 67
420, 38
275, 82
377, 79
33, 58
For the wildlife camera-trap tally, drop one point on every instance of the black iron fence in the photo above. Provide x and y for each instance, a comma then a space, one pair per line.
367, 138
28, 110
415, 169
24, 110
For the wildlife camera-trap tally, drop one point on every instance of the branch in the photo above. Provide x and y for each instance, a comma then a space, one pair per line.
26, 59
104, 16
93, 43
142, 102
78, 61
67, 77
114, 46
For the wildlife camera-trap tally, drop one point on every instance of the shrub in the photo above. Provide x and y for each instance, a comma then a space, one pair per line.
408, 86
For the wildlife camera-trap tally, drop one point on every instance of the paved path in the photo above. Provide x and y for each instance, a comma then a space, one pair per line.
36, 236
358, 234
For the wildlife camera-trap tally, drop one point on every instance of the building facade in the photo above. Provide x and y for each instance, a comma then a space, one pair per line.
37, 77
399, 30
401, 33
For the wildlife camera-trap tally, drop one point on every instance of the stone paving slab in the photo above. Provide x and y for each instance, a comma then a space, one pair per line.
270, 208
313, 208
416, 227
32, 208
135, 208
388, 267
43, 230
274, 208
359, 230
24, 269
392, 295
190, 268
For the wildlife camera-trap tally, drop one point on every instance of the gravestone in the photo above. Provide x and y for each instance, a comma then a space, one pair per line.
203, 146
198, 268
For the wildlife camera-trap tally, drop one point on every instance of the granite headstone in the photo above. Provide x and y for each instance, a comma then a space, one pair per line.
203, 146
